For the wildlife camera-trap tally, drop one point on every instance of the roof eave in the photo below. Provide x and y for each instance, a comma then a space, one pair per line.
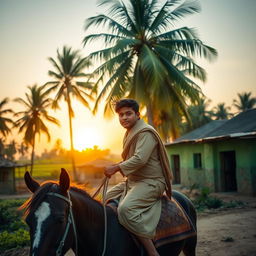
214, 138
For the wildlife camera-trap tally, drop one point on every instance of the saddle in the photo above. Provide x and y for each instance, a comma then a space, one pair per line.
174, 224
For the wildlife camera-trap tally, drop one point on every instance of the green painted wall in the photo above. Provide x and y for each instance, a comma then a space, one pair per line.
245, 151
210, 175
190, 175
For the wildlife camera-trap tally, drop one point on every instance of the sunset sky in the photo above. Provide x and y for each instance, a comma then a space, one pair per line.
32, 30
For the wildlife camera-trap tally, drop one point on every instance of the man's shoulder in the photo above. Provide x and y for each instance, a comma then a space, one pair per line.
147, 134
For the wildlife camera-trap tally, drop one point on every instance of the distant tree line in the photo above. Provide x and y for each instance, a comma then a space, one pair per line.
200, 113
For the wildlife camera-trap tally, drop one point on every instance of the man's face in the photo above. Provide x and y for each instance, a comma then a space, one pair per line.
128, 117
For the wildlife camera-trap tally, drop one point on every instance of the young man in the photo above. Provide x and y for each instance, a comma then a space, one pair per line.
146, 166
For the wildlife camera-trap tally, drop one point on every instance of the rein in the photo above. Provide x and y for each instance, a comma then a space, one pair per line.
71, 221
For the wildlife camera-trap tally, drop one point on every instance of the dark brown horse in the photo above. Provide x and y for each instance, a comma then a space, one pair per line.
61, 217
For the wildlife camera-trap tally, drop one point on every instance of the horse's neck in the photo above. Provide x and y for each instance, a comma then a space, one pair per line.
89, 218
87, 209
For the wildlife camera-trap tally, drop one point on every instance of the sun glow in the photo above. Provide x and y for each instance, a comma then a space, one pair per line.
87, 138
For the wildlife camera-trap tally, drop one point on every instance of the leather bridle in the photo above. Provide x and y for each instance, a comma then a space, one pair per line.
70, 221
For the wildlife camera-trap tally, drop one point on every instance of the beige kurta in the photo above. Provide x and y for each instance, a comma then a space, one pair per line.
140, 205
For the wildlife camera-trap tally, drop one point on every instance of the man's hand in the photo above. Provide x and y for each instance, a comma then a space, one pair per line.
112, 169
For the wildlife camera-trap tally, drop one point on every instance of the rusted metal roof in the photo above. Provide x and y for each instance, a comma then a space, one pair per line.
242, 125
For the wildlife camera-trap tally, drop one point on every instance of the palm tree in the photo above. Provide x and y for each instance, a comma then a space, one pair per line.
199, 115
11, 150
168, 125
245, 101
23, 149
221, 112
145, 60
32, 118
68, 68
4, 121
2, 148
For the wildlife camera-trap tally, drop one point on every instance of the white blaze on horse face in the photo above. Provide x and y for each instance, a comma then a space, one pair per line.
41, 214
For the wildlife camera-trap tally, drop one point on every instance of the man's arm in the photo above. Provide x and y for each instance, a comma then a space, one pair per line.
145, 145
112, 169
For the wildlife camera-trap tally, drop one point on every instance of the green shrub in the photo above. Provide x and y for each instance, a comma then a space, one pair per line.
13, 230
213, 203
18, 238
10, 216
205, 201
234, 204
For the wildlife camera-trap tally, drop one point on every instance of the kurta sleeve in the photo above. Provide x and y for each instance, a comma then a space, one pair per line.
145, 145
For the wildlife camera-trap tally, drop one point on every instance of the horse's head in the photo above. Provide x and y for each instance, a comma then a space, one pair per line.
48, 214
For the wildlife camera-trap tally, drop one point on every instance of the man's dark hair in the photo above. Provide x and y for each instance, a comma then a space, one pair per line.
130, 103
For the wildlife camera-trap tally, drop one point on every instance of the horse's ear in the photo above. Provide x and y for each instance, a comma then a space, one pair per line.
64, 181
32, 184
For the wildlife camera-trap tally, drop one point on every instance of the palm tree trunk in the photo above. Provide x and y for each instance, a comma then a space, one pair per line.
150, 114
32, 154
71, 139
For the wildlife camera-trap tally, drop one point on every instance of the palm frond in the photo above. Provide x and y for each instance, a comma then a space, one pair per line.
191, 48
152, 67
186, 8
79, 96
160, 22
61, 93
107, 38
111, 24
56, 66
175, 34
119, 75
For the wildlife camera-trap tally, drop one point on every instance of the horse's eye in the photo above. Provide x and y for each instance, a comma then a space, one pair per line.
59, 218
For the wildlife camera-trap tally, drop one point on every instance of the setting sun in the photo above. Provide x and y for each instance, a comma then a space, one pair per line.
87, 138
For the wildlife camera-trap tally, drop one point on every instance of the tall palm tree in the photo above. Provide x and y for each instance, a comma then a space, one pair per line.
168, 125
11, 150
221, 112
144, 59
68, 69
31, 120
199, 115
245, 101
5, 121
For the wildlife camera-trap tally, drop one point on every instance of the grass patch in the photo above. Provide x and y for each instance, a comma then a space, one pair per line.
13, 230
44, 170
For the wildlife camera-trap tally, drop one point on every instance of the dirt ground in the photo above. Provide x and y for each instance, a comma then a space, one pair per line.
230, 232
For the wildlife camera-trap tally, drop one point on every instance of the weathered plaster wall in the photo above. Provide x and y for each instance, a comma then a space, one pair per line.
245, 163
210, 174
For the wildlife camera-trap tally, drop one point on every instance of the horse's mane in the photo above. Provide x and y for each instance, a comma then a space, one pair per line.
47, 186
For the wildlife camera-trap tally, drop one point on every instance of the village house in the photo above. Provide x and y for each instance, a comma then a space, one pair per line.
93, 171
7, 175
220, 155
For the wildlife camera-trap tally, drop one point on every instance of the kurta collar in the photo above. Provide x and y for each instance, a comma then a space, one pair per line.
140, 124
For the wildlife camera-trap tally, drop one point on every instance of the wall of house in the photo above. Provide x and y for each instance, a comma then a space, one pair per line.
190, 175
245, 152
210, 174
7, 180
